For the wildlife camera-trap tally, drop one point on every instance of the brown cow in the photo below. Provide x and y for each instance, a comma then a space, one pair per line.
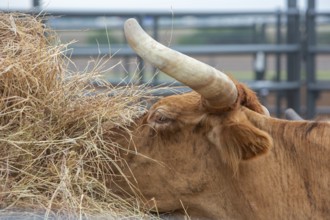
215, 153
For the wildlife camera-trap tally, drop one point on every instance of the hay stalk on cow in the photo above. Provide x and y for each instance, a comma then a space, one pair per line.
54, 159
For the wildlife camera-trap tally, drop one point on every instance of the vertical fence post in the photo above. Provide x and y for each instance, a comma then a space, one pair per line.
260, 56
36, 4
278, 63
293, 59
310, 58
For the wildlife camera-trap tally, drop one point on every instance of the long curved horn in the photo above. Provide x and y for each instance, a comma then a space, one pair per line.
214, 86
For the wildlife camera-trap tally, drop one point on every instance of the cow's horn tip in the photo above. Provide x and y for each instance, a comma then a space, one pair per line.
130, 22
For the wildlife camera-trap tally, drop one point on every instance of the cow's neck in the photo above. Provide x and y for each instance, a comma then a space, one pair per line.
294, 178
303, 142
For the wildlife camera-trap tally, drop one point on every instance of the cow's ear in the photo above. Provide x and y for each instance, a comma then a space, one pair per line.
240, 141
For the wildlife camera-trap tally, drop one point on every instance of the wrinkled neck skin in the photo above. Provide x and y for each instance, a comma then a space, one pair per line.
293, 180
290, 182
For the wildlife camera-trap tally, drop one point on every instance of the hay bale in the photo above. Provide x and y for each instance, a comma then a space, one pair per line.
54, 158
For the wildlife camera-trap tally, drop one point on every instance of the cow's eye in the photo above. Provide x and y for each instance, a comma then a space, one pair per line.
161, 119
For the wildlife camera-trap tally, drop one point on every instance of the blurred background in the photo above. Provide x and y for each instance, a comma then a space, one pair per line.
280, 48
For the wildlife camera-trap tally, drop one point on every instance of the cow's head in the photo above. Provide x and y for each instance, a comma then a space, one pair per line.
191, 144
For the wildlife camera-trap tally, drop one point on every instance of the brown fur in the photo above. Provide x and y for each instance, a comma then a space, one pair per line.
189, 155
248, 98
243, 141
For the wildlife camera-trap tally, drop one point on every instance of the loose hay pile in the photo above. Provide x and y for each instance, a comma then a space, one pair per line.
54, 159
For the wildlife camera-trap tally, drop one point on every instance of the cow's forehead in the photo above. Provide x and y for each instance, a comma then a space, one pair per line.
184, 101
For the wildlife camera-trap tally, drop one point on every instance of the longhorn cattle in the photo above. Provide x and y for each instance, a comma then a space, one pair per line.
215, 153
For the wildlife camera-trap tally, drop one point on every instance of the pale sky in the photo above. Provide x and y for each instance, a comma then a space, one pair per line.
161, 5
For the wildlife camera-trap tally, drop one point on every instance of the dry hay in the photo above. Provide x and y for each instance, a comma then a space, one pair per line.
54, 159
